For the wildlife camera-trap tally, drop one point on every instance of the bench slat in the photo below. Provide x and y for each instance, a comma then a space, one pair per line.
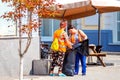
97, 54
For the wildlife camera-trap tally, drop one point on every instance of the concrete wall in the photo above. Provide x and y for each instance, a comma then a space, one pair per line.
9, 58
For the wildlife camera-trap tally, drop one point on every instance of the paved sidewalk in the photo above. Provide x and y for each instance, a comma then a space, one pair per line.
94, 72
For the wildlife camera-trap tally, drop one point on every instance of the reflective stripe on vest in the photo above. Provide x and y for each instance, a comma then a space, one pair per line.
62, 46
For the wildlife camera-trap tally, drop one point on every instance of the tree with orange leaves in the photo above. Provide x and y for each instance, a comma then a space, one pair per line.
28, 9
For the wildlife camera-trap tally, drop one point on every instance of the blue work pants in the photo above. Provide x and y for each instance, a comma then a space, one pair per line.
82, 58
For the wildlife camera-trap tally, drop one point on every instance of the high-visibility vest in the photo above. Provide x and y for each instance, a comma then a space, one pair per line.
79, 37
61, 40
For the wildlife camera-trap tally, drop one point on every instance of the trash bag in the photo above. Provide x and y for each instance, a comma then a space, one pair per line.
69, 63
82, 48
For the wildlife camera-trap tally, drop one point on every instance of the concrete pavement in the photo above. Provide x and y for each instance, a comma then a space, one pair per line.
94, 72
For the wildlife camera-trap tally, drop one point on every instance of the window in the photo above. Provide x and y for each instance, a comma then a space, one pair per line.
118, 26
76, 23
47, 28
92, 20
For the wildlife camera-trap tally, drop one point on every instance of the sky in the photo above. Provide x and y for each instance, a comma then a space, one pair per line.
4, 29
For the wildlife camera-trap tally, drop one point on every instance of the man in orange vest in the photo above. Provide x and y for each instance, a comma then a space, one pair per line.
64, 42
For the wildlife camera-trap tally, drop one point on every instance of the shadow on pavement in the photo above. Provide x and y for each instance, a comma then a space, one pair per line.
98, 64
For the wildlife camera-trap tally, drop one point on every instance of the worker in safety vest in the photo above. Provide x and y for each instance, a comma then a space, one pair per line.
64, 42
77, 36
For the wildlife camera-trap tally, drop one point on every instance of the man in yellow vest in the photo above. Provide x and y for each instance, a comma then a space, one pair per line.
64, 42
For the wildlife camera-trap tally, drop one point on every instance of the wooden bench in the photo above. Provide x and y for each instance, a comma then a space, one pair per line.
97, 54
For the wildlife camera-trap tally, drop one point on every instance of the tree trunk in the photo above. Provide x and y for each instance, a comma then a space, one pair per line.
21, 68
20, 51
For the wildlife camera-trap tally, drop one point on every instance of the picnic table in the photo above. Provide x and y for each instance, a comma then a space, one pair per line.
96, 51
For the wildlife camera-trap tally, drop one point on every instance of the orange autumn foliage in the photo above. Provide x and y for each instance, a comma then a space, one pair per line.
35, 7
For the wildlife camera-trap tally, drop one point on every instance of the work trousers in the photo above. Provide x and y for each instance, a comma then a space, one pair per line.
82, 58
